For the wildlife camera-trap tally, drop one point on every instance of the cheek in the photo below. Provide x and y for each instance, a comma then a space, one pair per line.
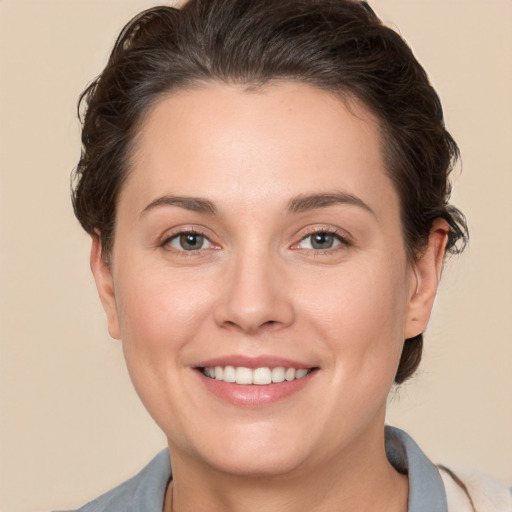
361, 314
357, 293
160, 313
160, 320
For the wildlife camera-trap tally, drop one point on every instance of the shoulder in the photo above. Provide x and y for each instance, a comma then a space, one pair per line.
143, 492
486, 494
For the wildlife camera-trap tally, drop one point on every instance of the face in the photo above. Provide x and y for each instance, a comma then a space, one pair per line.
259, 281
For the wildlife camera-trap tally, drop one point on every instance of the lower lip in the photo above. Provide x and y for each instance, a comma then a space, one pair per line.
253, 395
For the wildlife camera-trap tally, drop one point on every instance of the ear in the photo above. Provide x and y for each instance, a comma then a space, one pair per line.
427, 273
105, 285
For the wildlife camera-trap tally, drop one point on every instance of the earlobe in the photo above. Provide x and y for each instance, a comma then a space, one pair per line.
105, 286
427, 271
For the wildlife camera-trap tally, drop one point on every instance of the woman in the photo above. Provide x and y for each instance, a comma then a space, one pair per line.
266, 188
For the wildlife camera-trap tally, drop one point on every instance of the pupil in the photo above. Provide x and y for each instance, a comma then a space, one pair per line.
322, 241
191, 241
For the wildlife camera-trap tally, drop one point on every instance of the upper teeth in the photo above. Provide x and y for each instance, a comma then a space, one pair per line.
261, 376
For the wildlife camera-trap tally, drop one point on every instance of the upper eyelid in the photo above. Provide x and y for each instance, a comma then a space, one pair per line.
165, 242
341, 234
185, 232
175, 232
332, 231
345, 237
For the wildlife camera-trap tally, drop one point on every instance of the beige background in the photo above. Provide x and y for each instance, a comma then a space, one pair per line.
71, 425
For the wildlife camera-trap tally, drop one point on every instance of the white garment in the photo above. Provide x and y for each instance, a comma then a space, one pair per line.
487, 494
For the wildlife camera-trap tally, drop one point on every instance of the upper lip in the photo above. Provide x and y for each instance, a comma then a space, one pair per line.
264, 361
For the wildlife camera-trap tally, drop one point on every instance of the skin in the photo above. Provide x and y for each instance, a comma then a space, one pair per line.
258, 287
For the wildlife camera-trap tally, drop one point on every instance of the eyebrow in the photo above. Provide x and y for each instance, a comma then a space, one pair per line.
313, 201
194, 204
297, 204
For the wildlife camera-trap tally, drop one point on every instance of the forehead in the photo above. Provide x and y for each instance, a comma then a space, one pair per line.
231, 144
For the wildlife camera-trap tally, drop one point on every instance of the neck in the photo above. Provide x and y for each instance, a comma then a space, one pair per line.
357, 479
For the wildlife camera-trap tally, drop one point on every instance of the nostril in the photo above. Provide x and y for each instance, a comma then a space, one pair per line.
250, 328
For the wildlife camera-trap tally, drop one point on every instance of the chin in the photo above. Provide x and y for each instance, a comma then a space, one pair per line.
272, 463
252, 451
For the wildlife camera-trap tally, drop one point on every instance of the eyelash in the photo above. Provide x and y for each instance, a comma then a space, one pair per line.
182, 252
344, 242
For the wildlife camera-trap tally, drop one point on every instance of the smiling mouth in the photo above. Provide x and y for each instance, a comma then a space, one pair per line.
259, 376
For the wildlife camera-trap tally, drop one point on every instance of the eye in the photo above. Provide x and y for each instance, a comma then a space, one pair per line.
188, 241
321, 240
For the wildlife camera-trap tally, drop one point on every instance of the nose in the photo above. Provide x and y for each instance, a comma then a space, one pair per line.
255, 296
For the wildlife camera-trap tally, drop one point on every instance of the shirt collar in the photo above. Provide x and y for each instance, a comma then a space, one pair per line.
426, 489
